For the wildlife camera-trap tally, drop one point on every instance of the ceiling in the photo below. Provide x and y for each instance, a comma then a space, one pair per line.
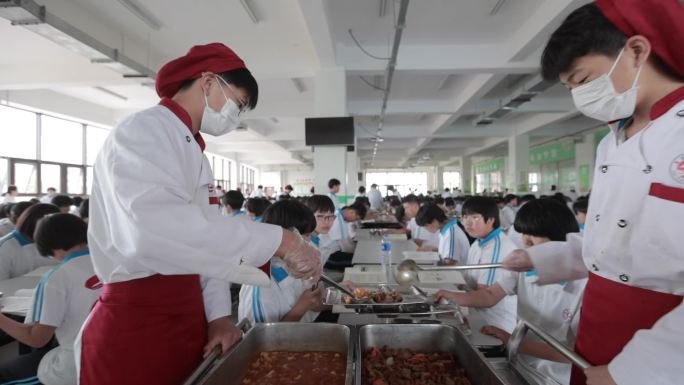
457, 61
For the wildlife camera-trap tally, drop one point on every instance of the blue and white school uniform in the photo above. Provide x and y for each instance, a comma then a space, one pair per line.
343, 232
335, 200
63, 301
420, 233
6, 226
18, 256
493, 249
453, 243
271, 304
325, 245
554, 308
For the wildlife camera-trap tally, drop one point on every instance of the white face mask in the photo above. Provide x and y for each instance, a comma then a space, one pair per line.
599, 100
222, 122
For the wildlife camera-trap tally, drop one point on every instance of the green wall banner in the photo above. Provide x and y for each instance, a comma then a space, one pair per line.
488, 166
584, 182
553, 152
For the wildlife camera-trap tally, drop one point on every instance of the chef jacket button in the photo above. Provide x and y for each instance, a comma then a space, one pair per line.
604, 169
593, 266
622, 223
648, 169
624, 277
598, 217
680, 113
187, 138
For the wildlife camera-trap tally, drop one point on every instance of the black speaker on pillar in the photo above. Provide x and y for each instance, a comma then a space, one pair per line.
359, 176
350, 148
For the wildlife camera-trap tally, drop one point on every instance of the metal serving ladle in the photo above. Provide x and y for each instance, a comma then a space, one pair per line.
407, 270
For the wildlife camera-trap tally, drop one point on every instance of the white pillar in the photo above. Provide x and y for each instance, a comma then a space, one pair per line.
439, 178
585, 156
518, 164
330, 99
467, 175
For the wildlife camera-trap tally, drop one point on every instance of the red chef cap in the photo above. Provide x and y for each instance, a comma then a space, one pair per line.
661, 21
214, 57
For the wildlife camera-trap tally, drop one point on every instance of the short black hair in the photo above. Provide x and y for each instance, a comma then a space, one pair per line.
260, 187
18, 209
333, 182
77, 201
52, 189
5, 210
257, 206
400, 214
374, 185
359, 207
84, 209
240, 78
363, 200
62, 201
59, 232
362, 189
485, 206
449, 202
546, 218
26, 224
12, 188
290, 214
510, 197
585, 31
580, 205
526, 198
428, 213
320, 203
411, 198
288, 187
439, 200
233, 199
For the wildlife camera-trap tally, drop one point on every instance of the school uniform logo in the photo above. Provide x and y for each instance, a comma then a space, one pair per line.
677, 169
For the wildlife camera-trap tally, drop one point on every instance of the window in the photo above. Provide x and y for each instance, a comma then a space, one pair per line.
4, 176
50, 176
452, 179
26, 177
533, 181
405, 182
18, 133
89, 180
481, 182
95, 137
75, 180
61, 140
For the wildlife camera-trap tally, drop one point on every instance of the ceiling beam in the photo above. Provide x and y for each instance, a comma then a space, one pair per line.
315, 14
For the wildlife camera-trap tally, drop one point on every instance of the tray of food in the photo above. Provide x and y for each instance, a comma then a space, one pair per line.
386, 301
395, 354
284, 353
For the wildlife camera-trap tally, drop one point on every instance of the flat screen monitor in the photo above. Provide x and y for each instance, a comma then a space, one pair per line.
329, 131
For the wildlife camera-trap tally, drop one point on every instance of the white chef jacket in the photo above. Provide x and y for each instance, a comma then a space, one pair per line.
555, 309
420, 233
507, 217
6, 226
492, 249
19, 256
64, 304
633, 230
375, 198
453, 243
150, 212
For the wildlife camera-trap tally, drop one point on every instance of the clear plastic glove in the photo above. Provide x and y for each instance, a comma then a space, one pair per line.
302, 259
518, 260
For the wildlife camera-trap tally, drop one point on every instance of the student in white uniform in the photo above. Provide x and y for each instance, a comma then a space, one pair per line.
361, 192
447, 193
580, 208
18, 253
508, 211
63, 202
232, 204
375, 197
481, 221
255, 208
419, 235
343, 229
453, 243
334, 189
47, 198
554, 308
11, 195
324, 212
624, 63
287, 299
62, 301
258, 193
15, 211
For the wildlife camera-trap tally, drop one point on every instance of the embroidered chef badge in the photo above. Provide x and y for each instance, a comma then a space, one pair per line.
677, 169
567, 315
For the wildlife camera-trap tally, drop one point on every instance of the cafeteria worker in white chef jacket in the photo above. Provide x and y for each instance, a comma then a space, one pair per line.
624, 62
157, 240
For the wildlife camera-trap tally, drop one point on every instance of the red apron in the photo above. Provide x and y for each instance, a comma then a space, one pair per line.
611, 314
145, 331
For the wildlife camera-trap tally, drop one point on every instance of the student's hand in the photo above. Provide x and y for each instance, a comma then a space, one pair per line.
495, 332
518, 260
449, 295
311, 300
599, 375
221, 332
302, 260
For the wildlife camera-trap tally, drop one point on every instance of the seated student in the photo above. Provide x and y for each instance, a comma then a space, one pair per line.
255, 208
554, 308
60, 305
508, 211
323, 209
8, 224
77, 200
453, 243
287, 299
370, 213
18, 254
580, 208
84, 210
343, 229
419, 235
232, 204
63, 202
441, 203
481, 219
450, 205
